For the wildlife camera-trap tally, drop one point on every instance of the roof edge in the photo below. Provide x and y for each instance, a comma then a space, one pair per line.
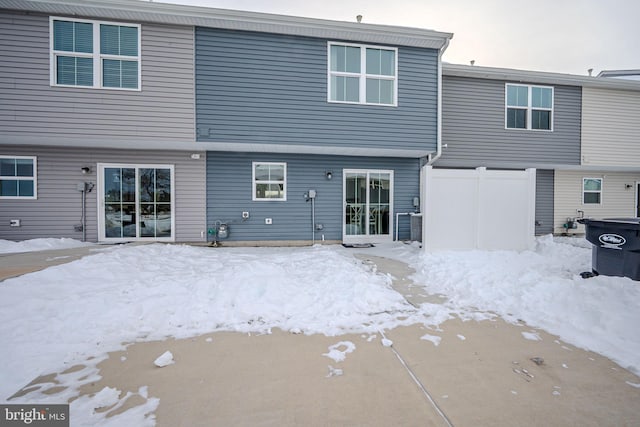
167, 13
527, 76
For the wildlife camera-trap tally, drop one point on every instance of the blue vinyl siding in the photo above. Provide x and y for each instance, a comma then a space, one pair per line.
229, 194
259, 88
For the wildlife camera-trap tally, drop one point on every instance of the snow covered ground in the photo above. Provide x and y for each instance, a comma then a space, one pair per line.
7, 246
65, 314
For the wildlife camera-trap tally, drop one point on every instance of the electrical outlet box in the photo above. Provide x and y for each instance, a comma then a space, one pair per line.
14, 223
268, 221
245, 215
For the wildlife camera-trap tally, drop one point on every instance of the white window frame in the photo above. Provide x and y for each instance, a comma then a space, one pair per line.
584, 179
96, 54
254, 183
101, 203
362, 75
529, 107
33, 178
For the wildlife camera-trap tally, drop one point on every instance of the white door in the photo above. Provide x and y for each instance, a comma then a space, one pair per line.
136, 202
368, 206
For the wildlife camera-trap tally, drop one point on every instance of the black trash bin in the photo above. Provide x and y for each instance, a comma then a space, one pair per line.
616, 246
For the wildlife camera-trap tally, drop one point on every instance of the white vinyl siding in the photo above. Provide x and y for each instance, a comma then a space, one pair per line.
362, 74
94, 54
18, 177
618, 200
610, 127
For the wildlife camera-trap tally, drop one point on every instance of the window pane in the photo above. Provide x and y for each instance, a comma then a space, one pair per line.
163, 185
83, 37
592, 198
517, 96
74, 71
276, 173
540, 119
129, 74
8, 187
147, 220
540, 97
128, 185
276, 191
262, 173
111, 73
373, 61
129, 41
345, 89
373, 91
25, 188
381, 62
592, 184
163, 220
147, 185
7, 167
24, 167
516, 118
109, 39
63, 35
345, 59
73, 36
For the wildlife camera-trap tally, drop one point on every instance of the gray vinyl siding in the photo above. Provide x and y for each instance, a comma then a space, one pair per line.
163, 109
259, 88
58, 206
229, 193
475, 134
544, 201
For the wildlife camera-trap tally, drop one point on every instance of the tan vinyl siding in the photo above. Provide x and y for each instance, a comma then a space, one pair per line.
617, 200
58, 206
29, 105
610, 127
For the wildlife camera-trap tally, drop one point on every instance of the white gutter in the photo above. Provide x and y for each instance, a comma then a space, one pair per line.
433, 158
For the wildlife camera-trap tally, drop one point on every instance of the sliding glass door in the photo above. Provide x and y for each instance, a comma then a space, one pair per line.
368, 206
136, 202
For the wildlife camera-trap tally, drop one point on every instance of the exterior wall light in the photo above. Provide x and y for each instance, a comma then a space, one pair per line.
328, 174
85, 170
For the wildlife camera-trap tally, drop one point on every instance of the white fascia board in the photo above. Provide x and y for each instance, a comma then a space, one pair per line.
472, 164
198, 146
525, 76
164, 13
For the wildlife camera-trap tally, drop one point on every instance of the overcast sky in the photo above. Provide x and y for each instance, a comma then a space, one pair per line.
565, 36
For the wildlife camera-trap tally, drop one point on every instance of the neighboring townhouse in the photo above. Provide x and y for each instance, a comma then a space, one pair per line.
185, 118
562, 125
97, 125
607, 185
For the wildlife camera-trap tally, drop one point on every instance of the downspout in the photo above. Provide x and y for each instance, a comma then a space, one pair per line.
432, 158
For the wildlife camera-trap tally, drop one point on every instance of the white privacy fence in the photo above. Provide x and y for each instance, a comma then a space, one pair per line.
478, 209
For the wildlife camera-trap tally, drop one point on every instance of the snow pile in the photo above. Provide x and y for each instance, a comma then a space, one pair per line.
543, 288
70, 312
33, 245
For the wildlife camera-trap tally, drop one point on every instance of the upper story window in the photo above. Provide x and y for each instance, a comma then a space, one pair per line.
529, 107
18, 177
94, 54
362, 74
269, 181
591, 191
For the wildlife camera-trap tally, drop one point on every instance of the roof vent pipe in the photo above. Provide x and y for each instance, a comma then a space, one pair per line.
359, 18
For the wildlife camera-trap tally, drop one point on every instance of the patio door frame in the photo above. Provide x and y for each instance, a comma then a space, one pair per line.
367, 238
101, 202
637, 199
